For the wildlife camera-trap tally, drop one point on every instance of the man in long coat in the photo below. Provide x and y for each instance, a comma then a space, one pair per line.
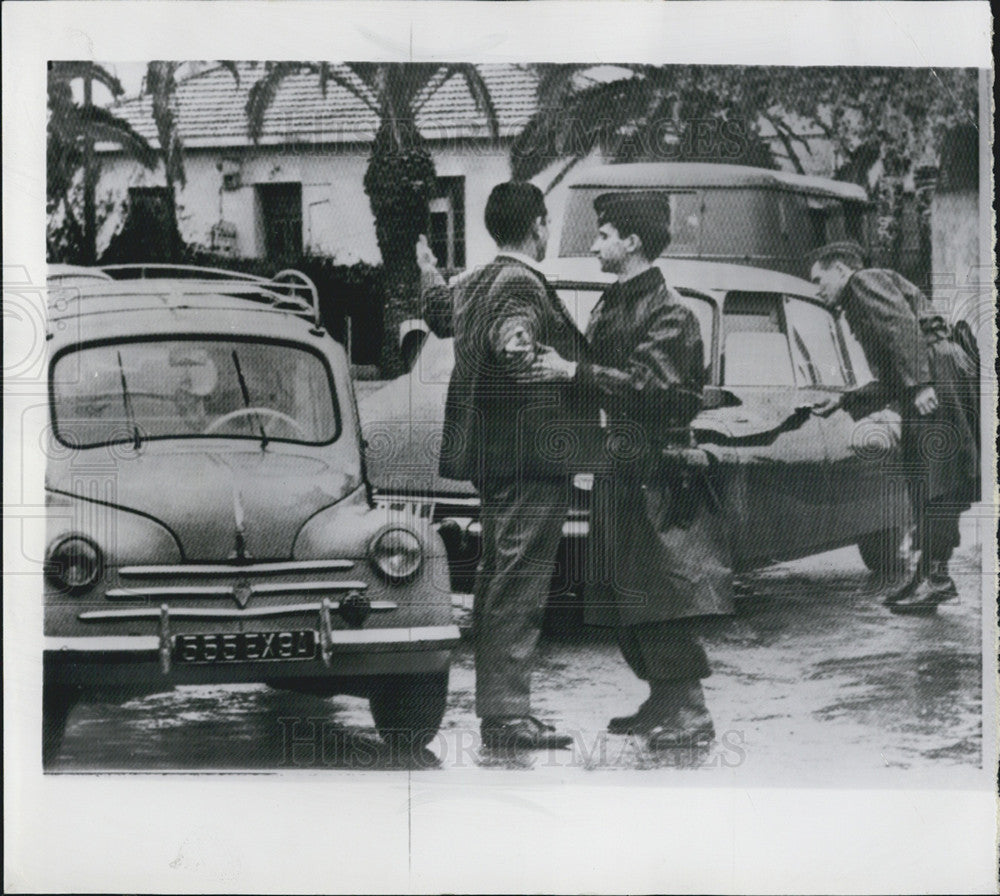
917, 365
503, 435
658, 558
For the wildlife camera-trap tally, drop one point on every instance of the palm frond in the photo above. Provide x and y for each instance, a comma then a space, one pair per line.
232, 68
104, 125
481, 96
161, 82
66, 71
263, 92
345, 77
586, 119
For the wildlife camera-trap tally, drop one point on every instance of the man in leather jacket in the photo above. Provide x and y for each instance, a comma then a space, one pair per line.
657, 549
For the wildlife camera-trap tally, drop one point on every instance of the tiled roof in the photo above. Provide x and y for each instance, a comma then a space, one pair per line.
210, 109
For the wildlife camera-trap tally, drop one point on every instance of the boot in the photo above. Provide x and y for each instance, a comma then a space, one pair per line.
663, 702
900, 592
690, 726
934, 587
941, 581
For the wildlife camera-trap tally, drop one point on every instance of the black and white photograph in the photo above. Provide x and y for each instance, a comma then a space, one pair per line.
432, 424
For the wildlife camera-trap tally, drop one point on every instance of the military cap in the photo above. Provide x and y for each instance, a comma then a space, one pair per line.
847, 251
645, 213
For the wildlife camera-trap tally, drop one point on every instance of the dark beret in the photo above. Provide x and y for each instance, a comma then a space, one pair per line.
643, 212
843, 250
637, 208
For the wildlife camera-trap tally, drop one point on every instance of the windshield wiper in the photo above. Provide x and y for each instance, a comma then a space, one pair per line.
246, 400
129, 412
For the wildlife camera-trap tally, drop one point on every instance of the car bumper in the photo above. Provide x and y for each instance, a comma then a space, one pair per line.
151, 661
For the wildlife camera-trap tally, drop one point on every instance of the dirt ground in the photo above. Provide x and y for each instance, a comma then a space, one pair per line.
813, 678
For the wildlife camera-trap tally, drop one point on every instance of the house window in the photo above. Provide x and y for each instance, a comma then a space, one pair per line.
446, 224
281, 219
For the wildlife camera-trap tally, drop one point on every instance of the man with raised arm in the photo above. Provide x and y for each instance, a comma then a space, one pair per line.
504, 436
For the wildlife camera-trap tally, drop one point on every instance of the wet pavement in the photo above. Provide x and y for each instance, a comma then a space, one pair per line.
813, 678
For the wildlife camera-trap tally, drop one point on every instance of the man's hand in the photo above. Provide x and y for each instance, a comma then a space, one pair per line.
828, 405
516, 346
549, 367
926, 401
426, 260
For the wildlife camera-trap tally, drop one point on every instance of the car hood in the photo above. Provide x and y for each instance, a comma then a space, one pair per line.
205, 496
750, 414
403, 419
402, 424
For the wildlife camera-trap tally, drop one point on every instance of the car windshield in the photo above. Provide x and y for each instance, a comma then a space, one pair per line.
188, 388
580, 221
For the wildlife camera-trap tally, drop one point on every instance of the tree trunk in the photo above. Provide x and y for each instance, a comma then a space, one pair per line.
176, 244
89, 183
398, 183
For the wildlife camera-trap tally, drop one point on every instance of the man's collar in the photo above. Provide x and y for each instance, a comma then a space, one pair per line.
640, 284
524, 259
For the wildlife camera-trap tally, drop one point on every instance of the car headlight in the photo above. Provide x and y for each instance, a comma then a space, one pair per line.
74, 565
396, 554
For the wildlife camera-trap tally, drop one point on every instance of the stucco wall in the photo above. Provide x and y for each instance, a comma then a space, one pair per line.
954, 247
336, 217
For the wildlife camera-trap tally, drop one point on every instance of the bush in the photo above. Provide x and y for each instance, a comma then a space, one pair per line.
354, 291
148, 234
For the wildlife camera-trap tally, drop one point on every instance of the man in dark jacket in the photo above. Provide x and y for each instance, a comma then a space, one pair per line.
918, 365
659, 559
505, 436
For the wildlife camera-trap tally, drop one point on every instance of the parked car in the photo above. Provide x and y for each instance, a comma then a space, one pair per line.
209, 516
791, 483
727, 213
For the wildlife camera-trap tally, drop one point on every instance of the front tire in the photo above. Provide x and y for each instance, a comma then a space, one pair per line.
882, 551
57, 703
408, 709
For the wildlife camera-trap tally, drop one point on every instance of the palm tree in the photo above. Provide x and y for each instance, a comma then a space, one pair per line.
648, 113
400, 174
72, 131
160, 84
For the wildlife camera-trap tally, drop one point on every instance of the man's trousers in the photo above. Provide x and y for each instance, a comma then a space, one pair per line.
664, 651
522, 524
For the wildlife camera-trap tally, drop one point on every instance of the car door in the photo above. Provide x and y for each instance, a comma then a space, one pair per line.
862, 452
784, 487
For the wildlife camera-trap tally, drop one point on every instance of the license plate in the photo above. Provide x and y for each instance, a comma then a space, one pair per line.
243, 647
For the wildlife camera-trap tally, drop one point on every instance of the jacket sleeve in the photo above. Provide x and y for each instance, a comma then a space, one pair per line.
662, 378
515, 323
436, 305
894, 342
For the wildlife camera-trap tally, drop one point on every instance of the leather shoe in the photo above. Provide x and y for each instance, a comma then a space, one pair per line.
523, 733
901, 592
943, 585
924, 599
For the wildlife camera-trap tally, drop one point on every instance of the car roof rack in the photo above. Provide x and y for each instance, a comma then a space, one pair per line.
289, 289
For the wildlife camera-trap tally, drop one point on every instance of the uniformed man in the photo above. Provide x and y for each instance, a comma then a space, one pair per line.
920, 367
652, 529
